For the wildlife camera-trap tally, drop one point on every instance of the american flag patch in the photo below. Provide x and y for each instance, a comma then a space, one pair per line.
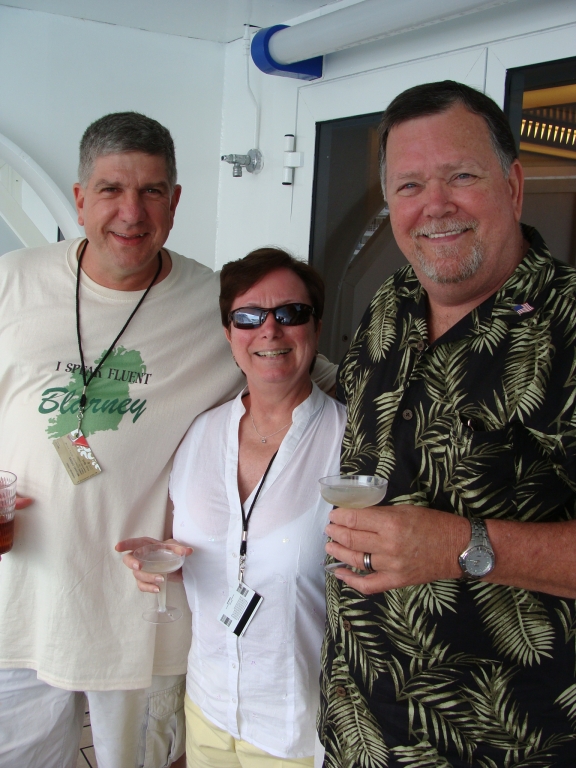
522, 308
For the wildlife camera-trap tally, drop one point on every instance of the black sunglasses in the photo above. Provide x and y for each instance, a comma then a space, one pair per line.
254, 317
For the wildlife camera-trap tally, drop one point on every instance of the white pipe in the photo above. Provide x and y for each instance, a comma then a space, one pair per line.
364, 22
46, 189
247, 41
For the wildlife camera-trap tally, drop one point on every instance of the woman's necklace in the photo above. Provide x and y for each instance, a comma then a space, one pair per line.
263, 438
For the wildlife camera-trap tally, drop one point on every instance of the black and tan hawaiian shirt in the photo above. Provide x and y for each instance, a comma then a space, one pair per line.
480, 423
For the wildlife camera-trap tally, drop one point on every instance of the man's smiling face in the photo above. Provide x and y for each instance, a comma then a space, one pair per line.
127, 210
453, 211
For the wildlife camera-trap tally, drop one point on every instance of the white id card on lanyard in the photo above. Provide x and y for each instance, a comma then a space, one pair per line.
239, 609
243, 602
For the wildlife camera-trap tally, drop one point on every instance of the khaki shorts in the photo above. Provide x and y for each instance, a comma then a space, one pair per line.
164, 735
208, 746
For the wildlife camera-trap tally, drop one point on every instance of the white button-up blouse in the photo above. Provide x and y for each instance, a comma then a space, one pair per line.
262, 687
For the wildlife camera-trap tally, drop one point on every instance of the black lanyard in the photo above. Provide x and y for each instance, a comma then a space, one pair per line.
83, 398
246, 520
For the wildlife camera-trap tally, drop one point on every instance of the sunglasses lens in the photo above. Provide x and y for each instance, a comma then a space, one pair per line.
254, 317
247, 317
293, 314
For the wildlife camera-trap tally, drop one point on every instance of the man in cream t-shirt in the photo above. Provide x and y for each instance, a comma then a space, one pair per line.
70, 617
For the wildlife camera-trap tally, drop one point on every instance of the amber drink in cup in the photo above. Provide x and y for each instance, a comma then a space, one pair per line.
7, 510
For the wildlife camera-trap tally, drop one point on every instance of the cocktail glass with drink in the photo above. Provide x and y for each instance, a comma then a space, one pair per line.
7, 510
352, 492
161, 559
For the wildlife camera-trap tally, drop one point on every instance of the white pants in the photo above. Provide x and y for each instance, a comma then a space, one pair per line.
41, 726
319, 752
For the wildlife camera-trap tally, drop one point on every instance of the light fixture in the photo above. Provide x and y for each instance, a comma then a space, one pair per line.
297, 51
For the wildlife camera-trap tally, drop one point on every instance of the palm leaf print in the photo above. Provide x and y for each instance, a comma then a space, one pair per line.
386, 407
488, 336
350, 715
434, 707
413, 330
501, 724
437, 596
361, 642
567, 701
422, 755
470, 485
566, 308
497, 419
444, 375
498, 721
332, 605
408, 628
531, 277
562, 311
567, 616
527, 369
356, 447
565, 422
382, 328
517, 621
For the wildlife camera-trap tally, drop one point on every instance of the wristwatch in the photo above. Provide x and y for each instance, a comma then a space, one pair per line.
478, 559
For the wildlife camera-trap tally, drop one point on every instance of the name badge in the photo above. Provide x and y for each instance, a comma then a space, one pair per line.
239, 609
77, 456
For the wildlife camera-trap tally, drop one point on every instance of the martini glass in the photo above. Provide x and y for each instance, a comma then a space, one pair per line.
162, 559
352, 492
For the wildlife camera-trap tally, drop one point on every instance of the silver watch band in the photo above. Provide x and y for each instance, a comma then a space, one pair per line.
479, 536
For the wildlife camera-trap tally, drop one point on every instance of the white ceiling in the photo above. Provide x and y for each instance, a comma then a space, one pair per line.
217, 20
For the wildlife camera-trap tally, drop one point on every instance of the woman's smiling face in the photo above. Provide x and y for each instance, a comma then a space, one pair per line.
275, 353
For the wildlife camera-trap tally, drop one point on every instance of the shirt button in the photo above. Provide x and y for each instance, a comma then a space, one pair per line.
347, 626
421, 346
341, 691
407, 414
233, 666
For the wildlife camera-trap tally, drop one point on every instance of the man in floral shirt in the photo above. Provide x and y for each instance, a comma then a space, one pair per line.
459, 647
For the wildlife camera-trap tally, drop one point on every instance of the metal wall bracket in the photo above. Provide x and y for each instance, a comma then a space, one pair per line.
252, 161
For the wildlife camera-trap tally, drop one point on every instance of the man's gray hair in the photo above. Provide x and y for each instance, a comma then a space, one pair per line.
125, 132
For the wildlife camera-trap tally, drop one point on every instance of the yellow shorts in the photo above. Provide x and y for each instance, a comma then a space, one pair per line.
208, 746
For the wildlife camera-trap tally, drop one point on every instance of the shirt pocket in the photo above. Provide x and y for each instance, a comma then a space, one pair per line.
165, 731
481, 469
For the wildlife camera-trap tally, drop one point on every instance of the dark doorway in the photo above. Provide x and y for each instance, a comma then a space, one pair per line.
351, 242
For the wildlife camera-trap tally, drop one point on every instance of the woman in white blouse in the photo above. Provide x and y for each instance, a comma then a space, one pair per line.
249, 469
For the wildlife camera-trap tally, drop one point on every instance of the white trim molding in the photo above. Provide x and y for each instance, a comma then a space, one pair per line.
46, 189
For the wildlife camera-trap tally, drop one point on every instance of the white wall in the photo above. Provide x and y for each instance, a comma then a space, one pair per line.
60, 74
475, 49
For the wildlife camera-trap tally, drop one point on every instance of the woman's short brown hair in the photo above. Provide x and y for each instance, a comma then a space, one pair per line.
239, 276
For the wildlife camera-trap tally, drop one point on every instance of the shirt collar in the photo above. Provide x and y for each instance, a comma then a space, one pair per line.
522, 291
300, 415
